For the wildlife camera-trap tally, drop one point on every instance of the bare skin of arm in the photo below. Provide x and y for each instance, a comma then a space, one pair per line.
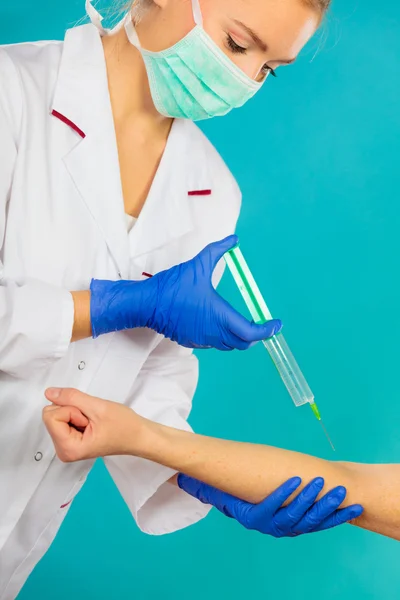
84, 427
82, 326
252, 472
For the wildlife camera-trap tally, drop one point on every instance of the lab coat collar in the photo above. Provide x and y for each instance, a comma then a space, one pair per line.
82, 102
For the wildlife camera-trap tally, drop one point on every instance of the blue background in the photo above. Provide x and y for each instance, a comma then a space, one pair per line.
316, 155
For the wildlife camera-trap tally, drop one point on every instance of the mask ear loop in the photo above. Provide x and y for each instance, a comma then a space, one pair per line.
95, 17
197, 16
131, 32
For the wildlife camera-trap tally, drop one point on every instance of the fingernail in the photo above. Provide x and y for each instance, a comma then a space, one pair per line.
53, 393
319, 481
278, 325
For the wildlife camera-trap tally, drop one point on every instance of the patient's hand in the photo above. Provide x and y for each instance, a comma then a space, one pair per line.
83, 427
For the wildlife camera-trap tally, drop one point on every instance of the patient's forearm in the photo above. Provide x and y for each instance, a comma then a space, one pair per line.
252, 471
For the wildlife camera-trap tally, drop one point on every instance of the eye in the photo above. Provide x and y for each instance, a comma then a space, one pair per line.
268, 70
234, 47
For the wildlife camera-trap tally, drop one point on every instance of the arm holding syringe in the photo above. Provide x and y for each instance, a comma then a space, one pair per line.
247, 471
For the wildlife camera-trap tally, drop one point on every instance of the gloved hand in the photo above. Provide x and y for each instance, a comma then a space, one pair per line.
302, 515
179, 303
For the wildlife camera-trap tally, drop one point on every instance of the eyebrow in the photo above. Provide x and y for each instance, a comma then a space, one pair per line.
259, 42
256, 39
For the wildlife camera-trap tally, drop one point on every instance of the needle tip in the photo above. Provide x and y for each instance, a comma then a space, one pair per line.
327, 435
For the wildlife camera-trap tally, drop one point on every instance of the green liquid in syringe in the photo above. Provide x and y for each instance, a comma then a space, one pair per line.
277, 347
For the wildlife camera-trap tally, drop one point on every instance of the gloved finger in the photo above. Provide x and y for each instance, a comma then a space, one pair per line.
195, 488
321, 510
249, 331
274, 501
192, 345
224, 345
339, 517
215, 251
219, 343
208, 494
233, 342
295, 511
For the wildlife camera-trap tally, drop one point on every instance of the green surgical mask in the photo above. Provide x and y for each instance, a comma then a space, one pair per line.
194, 79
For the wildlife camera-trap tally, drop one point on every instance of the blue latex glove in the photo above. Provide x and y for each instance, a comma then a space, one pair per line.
180, 303
302, 515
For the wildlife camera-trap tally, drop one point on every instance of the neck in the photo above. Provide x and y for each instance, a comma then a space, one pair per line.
128, 83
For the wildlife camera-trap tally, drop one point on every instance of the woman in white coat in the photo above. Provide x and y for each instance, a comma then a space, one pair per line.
104, 183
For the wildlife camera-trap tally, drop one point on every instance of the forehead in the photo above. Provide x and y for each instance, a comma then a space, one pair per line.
280, 22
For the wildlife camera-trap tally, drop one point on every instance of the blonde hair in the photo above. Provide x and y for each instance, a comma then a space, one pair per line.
117, 9
139, 7
322, 5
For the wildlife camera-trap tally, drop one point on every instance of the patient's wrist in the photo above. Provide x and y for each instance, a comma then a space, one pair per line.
159, 443
146, 439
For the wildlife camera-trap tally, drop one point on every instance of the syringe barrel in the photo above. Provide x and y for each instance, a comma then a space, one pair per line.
289, 370
277, 347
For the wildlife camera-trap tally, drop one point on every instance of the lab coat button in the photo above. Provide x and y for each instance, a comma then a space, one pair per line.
81, 365
38, 456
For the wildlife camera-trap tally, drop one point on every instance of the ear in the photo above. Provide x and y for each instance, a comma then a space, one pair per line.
140, 7
179, 4
149, 3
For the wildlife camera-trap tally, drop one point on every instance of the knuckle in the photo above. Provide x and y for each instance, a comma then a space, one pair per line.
330, 524
291, 517
48, 414
278, 531
331, 501
66, 452
65, 455
336, 521
245, 346
303, 528
312, 521
62, 455
246, 516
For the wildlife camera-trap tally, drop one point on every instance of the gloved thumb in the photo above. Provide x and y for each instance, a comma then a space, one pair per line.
71, 397
269, 329
216, 250
251, 332
207, 494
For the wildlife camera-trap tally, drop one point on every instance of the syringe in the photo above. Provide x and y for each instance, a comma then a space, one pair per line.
277, 347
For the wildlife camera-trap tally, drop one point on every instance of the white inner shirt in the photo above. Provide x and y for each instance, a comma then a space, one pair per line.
130, 221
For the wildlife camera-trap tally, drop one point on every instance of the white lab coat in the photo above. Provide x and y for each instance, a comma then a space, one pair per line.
62, 223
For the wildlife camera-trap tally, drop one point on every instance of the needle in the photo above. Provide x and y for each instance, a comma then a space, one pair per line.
316, 412
327, 435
